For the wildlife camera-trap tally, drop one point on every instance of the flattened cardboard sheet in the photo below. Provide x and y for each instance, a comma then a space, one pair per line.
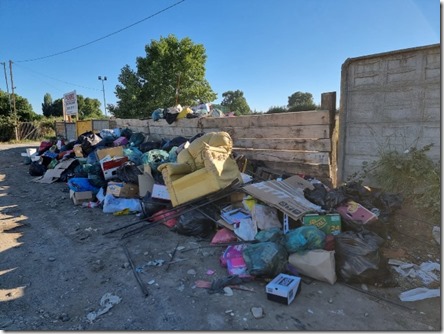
52, 175
286, 195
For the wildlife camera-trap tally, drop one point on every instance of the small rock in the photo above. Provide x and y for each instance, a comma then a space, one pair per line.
330, 300
191, 272
364, 287
125, 265
228, 311
228, 291
51, 259
151, 282
257, 312
310, 311
366, 314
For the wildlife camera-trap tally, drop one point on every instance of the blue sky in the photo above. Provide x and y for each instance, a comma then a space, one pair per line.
268, 49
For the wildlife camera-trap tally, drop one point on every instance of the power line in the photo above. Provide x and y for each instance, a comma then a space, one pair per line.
101, 38
65, 82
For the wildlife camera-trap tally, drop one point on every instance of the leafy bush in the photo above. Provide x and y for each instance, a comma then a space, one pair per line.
410, 173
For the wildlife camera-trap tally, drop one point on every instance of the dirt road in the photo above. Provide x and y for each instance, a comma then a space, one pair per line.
56, 265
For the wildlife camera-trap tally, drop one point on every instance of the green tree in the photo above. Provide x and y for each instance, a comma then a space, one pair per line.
173, 71
129, 92
236, 102
47, 105
300, 101
88, 108
277, 109
23, 108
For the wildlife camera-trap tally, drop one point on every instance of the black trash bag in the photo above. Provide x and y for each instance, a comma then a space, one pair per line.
128, 172
151, 205
106, 142
170, 118
88, 141
267, 259
358, 259
193, 223
69, 172
317, 195
79, 172
196, 136
127, 133
335, 198
136, 139
355, 191
68, 146
37, 169
388, 203
176, 141
149, 145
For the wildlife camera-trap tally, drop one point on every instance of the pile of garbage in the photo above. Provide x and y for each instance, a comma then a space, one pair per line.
296, 226
177, 112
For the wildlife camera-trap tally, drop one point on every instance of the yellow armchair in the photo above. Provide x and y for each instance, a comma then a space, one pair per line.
206, 166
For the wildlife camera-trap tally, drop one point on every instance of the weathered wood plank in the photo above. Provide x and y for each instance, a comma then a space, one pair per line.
321, 172
308, 131
314, 117
285, 156
322, 145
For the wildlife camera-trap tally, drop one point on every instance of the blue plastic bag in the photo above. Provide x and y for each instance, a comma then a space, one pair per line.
81, 184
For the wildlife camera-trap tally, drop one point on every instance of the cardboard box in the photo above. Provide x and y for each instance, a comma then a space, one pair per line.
286, 195
123, 189
111, 151
356, 212
329, 223
78, 197
110, 167
283, 288
160, 191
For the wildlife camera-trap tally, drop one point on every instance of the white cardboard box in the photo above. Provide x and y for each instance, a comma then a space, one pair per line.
283, 288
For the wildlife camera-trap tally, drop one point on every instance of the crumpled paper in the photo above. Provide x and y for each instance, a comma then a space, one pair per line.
107, 301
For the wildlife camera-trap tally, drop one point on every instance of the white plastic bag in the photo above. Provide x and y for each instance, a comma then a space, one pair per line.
265, 217
113, 204
246, 230
419, 294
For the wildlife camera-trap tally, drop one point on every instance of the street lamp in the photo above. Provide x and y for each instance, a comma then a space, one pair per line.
103, 90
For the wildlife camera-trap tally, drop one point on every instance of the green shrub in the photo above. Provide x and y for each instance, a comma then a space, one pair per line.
410, 173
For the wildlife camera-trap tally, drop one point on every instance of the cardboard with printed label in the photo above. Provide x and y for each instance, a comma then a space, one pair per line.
329, 223
286, 195
122, 189
283, 288
356, 212
111, 151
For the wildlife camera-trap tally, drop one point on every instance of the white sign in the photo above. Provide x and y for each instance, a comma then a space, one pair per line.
70, 102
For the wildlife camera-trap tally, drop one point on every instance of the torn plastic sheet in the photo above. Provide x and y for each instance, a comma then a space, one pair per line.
107, 301
425, 271
419, 294
154, 263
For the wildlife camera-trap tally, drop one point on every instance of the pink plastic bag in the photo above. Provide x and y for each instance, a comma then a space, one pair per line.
224, 235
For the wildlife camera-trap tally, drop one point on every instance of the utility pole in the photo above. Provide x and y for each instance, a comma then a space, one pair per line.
13, 101
7, 87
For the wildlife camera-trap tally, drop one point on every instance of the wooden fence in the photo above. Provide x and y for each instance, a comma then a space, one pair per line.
295, 142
